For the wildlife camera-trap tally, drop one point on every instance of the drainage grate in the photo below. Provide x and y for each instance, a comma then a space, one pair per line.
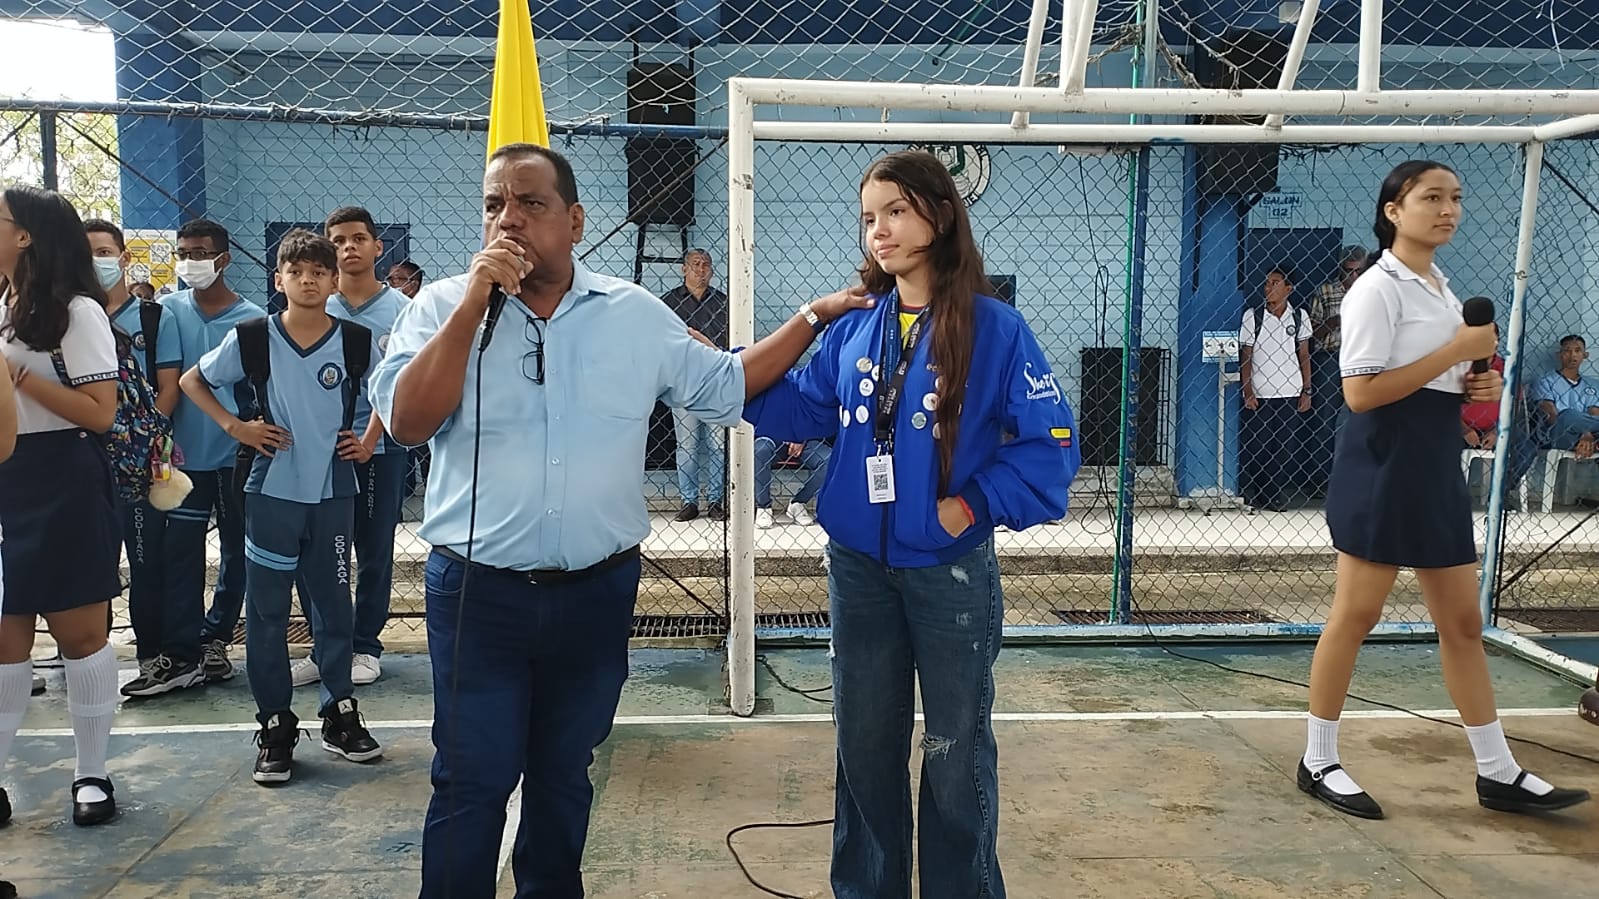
1556, 620
793, 621
679, 626
1209, 616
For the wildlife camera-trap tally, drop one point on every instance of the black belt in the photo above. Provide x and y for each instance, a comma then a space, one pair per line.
548, 576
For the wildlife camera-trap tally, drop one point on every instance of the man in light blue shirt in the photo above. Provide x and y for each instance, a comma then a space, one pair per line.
1568, 403
203, 314
529, 640
363, 299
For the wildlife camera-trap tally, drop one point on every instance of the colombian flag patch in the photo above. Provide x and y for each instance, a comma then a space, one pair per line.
1064, 435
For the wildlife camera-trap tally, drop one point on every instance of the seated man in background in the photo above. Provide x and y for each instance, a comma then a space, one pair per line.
812, 457
1567, 402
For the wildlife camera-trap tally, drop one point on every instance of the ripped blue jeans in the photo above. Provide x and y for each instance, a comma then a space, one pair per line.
890, 625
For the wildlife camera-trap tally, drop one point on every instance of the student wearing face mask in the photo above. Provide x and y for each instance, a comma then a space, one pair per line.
157, 353
195, 648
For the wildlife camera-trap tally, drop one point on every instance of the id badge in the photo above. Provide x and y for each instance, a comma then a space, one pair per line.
880, 479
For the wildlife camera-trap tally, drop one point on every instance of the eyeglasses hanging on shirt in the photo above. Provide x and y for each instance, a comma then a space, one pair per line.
533, 362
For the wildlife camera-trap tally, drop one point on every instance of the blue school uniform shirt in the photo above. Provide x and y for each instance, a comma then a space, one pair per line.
376, 315
561, 475
1566, 396
206, 447
305, 396
168, 345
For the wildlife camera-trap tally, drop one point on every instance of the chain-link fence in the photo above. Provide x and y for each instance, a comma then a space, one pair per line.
266, 116
1551, 484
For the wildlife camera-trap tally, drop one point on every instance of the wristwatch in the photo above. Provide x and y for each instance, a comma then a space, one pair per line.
810, 316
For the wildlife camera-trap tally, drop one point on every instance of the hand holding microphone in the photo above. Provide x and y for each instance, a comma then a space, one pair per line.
1478, 340
500, 267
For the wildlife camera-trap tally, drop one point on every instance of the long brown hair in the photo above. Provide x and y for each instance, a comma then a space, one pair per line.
56, 266
958, 279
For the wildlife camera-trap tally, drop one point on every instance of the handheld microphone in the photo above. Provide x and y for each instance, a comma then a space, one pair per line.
1477, 311
497, 305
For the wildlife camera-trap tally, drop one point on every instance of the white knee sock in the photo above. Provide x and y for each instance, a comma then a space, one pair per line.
1321, 751
1494, 760
16, 685
92, 700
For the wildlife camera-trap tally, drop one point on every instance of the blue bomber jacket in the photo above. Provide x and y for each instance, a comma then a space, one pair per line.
1015, 455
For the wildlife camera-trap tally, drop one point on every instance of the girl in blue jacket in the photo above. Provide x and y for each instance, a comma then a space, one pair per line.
947, 422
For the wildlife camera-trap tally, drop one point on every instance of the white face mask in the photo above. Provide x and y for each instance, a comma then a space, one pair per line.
198, 273
109, 270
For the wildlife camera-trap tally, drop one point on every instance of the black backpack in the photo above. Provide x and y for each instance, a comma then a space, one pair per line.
255, 354
150, 328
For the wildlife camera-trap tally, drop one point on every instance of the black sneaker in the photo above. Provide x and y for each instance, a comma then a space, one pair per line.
276, 738
688, 513
716, 512
343, 733
163, 675
214, 662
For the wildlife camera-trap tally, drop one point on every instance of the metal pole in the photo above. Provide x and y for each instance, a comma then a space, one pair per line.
1518, 308
1369, 75
47, 149
1076, 70
1296, 54
741, 320
1030, 53
1566, 128
1087, 133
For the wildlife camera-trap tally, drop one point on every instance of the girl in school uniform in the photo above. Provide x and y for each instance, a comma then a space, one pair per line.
57, 499
1396, 498
947, 422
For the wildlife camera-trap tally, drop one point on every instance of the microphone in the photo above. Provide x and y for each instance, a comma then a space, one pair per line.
1477, 311
497, 305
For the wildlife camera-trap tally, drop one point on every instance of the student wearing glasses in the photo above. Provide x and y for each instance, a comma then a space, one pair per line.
538, 475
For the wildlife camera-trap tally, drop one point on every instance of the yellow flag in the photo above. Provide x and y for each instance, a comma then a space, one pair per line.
516, 108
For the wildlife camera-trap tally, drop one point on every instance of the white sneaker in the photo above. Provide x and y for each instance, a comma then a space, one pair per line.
763, 518
303, 672
800, 514
364, 669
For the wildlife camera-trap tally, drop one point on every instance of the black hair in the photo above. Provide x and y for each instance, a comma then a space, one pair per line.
101, 226
408, 265
1287, 273
55, 267
301, 245
1573, 338
1393, 190
206, 228
347, 214
565, 181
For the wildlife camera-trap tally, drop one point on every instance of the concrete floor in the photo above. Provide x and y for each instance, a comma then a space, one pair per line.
1125, 774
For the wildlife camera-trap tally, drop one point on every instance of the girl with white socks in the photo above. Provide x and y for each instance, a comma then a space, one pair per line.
1396, 498
57, 499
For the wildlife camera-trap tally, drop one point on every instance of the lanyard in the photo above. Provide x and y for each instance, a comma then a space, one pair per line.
889, 393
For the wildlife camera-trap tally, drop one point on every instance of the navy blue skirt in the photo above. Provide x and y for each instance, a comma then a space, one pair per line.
62, 528
1395, 496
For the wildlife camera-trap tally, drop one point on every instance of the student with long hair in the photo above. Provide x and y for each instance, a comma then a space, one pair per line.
1396, 498
948, 422
57, 499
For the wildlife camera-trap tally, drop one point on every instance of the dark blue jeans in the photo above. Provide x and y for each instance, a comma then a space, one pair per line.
188, 624
530, 695
380, 482
891, 626
813, 459
144, 531
310, 541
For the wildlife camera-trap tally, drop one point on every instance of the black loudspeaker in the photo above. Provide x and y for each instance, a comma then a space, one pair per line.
660, 171
1249, 60
1099, 415
660, 180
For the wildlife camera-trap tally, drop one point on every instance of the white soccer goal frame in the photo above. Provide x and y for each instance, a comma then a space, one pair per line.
1579, 110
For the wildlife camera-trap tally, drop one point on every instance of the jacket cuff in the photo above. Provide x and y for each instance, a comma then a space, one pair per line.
976, 502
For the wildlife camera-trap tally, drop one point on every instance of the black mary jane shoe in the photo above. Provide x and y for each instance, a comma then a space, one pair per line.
88, 814
1360, 805
1513, 797
5, 807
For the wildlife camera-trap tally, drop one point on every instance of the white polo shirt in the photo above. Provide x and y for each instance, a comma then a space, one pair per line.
1274, 354
1391, 318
